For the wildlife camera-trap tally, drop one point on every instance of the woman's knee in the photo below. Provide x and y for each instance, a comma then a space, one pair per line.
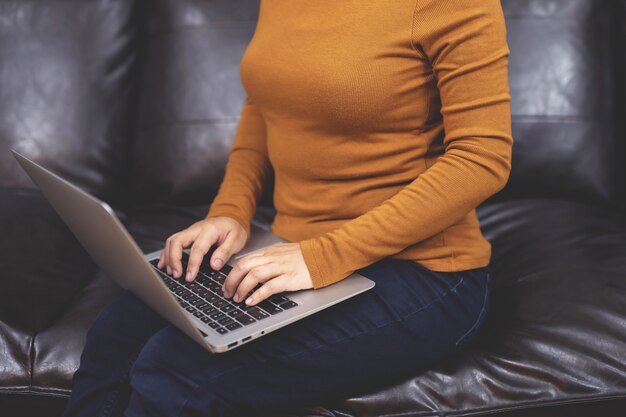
125, 319
161, 376
108, 318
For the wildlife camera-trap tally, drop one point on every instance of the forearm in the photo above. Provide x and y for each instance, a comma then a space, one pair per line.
465, 44
248, 170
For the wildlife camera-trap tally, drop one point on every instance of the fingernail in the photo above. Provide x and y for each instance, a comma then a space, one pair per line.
236, 298
188, 276
169, 270
249, 301
218, 262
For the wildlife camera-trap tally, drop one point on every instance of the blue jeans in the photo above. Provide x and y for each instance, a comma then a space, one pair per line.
136, 364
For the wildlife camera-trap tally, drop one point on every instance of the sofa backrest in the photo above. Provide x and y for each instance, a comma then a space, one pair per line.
67, 85
619, 104
563, 92
141, 98
561, 72
191, 97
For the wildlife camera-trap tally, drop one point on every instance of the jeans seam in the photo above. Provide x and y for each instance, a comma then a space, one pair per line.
114, 395
481, 314
125, 376
111, 400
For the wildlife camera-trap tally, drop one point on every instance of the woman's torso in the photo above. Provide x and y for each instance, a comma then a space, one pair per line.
352, 114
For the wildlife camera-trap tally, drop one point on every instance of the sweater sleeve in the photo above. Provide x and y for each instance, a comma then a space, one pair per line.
465, 43
247, 171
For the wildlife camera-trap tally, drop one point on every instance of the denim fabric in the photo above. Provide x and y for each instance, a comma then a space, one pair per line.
136, 364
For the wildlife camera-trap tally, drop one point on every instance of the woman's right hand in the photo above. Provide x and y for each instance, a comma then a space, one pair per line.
225, 232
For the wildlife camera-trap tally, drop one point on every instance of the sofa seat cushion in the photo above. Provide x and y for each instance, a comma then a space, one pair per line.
532, 235
556, 330
554, 334
51, 291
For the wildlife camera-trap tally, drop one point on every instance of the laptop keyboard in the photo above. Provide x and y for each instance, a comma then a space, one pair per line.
204, 299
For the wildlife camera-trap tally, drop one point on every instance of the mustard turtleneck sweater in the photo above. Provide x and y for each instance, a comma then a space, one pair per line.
385, 122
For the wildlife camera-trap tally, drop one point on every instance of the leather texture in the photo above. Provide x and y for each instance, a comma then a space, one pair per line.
137, 101
191, 98
561, 77
68, 81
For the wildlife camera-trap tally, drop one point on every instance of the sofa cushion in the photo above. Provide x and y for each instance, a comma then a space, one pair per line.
42, 264
191, 97
555, 331
56, 349
67, 82
533, 235
563, 97
620, 95
51, 292
534, 351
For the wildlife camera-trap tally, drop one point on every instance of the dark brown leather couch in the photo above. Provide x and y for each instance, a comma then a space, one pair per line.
138, 101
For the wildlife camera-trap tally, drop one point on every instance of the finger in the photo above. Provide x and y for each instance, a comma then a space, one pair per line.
239, 271
196, 254
223, 252
273, 286
165, 253
161, 258
256, 275
177, 243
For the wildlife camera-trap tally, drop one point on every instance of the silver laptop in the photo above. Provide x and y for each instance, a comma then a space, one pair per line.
199, 309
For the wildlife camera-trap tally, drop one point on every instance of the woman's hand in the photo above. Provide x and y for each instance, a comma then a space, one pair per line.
225, 232
280, 267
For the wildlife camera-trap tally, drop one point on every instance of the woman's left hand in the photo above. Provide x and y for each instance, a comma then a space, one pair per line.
279, 267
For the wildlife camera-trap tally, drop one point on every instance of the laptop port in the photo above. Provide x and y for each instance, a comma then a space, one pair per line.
233, 344
245, 339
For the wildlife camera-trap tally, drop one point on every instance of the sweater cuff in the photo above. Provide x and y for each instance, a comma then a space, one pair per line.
310, 251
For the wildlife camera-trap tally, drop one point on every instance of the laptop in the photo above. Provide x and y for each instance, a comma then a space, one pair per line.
199, 308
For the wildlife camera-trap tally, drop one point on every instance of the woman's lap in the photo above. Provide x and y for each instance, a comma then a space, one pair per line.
409, 321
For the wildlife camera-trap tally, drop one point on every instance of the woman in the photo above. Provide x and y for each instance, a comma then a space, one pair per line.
386, 123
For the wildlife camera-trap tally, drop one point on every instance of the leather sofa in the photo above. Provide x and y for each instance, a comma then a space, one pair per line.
137, 102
